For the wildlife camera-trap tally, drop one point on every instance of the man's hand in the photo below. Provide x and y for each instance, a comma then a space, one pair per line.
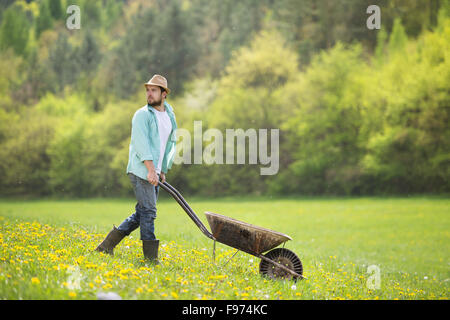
152, 177
162, 175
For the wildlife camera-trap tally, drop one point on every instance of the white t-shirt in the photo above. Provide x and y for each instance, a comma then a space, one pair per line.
164, 128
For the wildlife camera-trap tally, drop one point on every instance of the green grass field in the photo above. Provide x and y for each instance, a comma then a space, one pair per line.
46, 250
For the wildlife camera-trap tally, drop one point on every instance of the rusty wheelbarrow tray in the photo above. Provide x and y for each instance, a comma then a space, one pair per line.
254, 240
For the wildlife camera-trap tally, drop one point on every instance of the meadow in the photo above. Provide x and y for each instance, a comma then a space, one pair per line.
47, 250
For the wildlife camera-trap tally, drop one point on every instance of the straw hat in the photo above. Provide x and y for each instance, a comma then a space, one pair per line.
158, 80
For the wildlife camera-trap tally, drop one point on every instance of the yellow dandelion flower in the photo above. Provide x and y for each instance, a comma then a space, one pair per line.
35, 280
72, 294
107, 286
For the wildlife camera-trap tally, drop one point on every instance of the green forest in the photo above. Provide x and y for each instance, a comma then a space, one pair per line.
360, 111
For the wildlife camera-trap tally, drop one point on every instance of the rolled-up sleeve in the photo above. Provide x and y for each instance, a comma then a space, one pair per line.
170, 154
140, 137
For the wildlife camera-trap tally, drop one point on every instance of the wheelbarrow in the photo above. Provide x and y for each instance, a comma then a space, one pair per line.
254, 240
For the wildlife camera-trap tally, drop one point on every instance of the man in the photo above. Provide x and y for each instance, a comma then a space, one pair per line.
152, 150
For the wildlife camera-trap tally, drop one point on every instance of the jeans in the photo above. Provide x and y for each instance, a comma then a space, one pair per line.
145, 210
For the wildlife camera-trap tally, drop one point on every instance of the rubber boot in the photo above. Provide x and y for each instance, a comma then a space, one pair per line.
111, 241
150, 248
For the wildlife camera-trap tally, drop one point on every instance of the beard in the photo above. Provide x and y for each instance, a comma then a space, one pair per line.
155, 103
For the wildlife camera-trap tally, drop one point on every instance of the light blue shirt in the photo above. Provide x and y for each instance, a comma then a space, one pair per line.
145, 142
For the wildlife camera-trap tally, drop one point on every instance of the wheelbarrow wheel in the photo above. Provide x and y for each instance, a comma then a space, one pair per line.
284, 257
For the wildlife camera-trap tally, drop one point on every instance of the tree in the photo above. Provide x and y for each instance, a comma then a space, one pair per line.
156, 42
44, 20
311, 25
10, 79
381, 45
398, 37
14, 30
25, 161
416, 15
92, 17
224, 26
88, 55
56, 9
323, 132
68, 173
250, 96
408, 152
62, 62
247, 93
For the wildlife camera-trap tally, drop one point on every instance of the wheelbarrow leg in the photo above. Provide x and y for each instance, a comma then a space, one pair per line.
214, 252
230, 258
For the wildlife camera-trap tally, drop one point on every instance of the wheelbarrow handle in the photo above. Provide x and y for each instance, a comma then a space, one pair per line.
179, 198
